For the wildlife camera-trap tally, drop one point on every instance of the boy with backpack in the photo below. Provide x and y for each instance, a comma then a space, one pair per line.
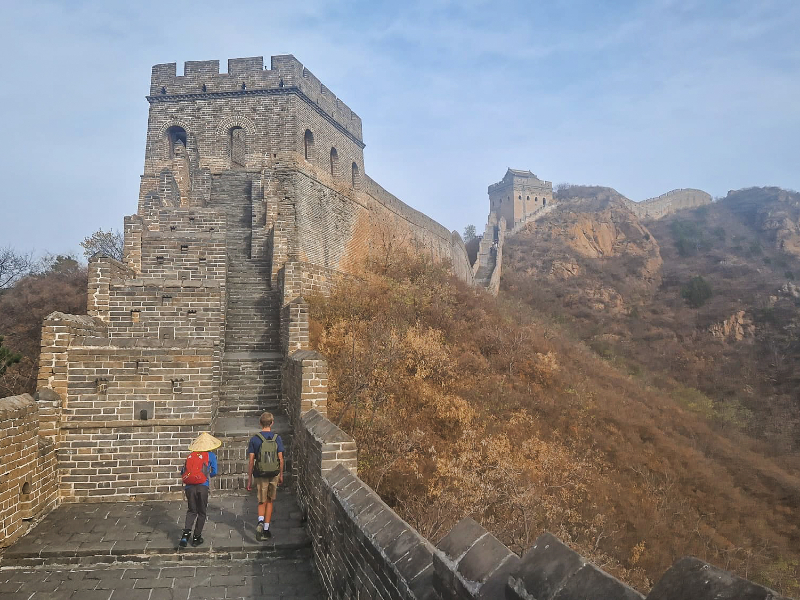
200, 466
266, 465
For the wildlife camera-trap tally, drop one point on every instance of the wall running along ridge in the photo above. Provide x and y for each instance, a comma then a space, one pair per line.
521, 198
254, 194
669, 203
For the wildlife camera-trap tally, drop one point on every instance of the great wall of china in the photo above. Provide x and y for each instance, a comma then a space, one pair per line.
254, 194
521, 198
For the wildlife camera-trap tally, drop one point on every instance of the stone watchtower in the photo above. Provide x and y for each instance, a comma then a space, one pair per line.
513, 201
518, 195
253, 195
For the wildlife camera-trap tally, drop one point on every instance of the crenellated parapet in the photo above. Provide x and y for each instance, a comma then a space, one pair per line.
670, 202
247, 77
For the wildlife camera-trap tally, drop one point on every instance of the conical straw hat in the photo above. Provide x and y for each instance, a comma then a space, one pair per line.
205, 442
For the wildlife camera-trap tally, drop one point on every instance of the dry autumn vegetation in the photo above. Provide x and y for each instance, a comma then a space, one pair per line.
525, 413
55, 283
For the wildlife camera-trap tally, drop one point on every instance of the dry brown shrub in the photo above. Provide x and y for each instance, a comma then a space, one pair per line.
23, 307
467, 405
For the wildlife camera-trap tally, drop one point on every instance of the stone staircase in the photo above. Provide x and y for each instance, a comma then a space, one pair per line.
486, 269
251, 363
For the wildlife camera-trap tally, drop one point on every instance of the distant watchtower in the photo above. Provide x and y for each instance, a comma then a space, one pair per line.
518, 195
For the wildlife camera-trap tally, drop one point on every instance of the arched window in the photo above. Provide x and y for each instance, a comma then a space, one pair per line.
536, 199
527, 198
176, 136
544, 202
334, 162
238, 146
354, 170
308, 144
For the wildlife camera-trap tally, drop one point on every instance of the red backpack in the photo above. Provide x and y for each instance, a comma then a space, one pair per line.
195, 471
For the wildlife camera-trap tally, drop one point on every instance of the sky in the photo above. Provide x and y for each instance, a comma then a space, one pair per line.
643, 96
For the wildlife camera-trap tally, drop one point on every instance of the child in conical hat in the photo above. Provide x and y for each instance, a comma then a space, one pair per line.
199, 468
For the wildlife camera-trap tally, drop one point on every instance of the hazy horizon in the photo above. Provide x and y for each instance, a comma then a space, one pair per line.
641, 97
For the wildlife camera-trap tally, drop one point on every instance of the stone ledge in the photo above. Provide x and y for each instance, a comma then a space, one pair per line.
692, 578
134, 424
16, 406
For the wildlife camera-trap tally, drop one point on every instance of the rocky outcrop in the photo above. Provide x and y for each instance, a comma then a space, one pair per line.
565, 269
772, 211
735, 328
595, 247
790, 289
605, 232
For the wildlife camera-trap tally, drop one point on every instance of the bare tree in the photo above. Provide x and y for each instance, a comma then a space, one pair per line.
13, 266
107, 243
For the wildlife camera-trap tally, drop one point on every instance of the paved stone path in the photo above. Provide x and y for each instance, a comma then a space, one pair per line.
284, 578
128, 550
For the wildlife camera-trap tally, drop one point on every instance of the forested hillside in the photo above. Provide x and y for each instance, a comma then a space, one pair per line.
713, 319
570, 403
55, 283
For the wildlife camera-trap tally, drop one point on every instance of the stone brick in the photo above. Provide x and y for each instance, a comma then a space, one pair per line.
692, 578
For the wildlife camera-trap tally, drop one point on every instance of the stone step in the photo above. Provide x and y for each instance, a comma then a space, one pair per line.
110, 533
235, 433
269, 345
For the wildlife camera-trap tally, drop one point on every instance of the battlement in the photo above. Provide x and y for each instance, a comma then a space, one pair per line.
679, 193
670, 202
202, 79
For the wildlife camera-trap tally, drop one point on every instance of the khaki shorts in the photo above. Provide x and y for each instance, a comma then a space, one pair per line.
267, 488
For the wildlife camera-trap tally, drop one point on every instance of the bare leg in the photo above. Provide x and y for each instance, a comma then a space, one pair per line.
267, 510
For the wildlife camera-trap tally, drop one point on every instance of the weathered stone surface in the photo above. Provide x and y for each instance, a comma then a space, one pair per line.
545, 567
589, 582
552, 571
460, 538
692, 578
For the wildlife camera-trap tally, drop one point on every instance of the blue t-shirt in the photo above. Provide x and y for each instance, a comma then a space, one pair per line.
212, 468
255, 443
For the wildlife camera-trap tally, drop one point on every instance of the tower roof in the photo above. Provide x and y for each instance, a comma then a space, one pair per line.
520, 173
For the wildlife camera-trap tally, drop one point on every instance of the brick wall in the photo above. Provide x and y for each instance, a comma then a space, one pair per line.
27, 475
166, 310
671, 202
124, 391
338, 227
471, 563
103, 273
361, 547
59, 332
294, 326
127, 415
306, 279
121, 460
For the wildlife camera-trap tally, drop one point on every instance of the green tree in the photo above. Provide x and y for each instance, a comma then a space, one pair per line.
469, 233
7, 357
696, 292
59, 264
689, 238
